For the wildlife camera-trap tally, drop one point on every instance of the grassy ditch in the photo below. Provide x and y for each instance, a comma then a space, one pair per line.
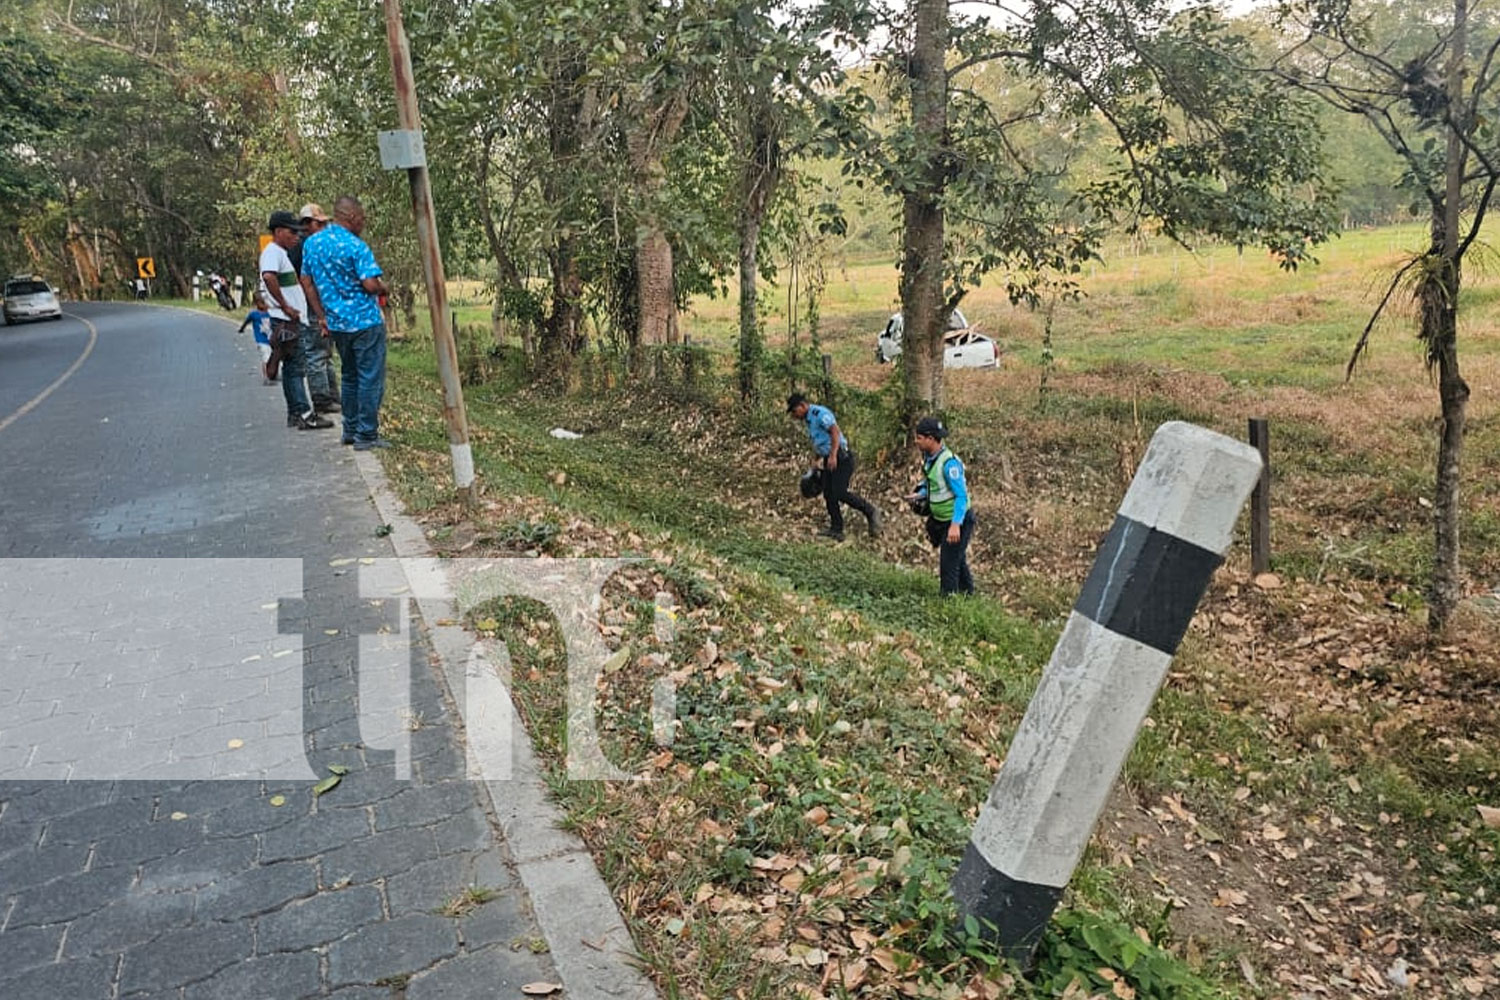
1298, 814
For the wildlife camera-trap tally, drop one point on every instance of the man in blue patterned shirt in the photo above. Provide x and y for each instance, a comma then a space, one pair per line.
347, 287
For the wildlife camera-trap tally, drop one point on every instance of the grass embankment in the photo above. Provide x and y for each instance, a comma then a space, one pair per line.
1304, 793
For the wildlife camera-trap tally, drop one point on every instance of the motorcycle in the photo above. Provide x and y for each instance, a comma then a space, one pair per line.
220, 287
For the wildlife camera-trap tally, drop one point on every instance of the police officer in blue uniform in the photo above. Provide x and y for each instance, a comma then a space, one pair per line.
944, 492
836, 459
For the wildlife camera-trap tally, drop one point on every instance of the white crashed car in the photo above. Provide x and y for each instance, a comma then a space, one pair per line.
963, 347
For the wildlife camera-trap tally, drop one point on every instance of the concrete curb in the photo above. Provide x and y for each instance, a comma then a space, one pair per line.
590, 945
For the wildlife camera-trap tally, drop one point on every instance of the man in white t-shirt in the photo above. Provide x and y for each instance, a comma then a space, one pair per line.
288, 308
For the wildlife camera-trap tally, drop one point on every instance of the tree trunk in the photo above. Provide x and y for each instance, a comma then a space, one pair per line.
758, 181
1438, 307
656, 129
752, 342
1439, 301
507, 283
922, 303
498, 323
654, 289
562, 337
570, 121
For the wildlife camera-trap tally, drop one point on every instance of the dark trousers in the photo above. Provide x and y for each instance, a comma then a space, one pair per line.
317, 367
836, 492
286, 340
953, 558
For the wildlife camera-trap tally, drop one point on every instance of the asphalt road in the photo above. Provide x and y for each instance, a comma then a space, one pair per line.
162, 442
181, 633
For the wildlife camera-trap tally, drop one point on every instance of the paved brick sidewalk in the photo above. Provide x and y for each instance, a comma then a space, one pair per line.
155, 682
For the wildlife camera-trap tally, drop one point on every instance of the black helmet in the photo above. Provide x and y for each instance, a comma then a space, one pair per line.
919, 503
812, 483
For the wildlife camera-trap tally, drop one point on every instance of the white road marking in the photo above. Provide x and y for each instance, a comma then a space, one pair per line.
36, 400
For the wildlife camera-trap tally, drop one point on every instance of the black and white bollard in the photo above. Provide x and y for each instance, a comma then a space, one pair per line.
197, 286
238, 294
1170, 534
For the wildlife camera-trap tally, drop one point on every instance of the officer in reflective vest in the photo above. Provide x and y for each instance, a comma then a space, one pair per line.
950, 521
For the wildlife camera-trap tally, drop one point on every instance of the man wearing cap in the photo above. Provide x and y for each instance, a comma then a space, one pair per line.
346, 285
950, 521
837, 460
288, 308
317, 360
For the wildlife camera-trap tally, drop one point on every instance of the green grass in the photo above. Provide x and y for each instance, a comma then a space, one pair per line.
703, 488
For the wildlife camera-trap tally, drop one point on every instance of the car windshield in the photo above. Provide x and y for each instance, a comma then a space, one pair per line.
26, 288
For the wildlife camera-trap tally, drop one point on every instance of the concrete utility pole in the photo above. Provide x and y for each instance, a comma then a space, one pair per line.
410, 117
1170, 535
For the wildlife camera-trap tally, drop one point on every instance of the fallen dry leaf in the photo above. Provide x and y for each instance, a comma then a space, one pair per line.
541, 989
1230, 897
848, 974
1489, 816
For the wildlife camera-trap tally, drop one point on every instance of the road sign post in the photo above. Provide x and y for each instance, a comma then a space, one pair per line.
1172, 530
404, 150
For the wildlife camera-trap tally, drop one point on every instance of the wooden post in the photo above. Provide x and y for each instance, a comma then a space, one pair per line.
1260, 499
828, 378
443, 340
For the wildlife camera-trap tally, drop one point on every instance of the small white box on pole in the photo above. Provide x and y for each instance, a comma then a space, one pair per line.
402, 149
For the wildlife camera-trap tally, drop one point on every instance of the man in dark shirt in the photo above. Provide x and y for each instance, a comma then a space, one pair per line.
316, 356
